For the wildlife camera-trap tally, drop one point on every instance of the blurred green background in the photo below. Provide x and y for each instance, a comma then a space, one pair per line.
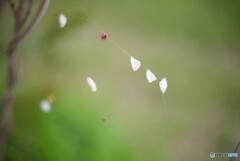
193, 43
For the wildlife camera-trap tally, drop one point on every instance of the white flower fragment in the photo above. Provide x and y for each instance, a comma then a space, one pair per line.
163, 85
136, 64
150, 76
45, 106
91, 84
62, 20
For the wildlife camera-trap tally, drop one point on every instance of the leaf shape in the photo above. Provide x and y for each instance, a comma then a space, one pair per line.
163, 85
136, 64
150, 76
62, 20
45, 106
92, 84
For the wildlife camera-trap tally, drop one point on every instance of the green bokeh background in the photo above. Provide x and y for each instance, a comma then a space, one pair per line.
193, 43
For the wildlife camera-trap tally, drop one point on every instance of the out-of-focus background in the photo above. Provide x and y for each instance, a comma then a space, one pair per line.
193, 43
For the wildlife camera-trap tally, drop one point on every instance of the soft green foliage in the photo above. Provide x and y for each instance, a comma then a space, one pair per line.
72, 131
193, 43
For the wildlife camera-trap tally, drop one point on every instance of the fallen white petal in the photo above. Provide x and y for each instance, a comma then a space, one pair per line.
45, 106
136, 64
163, 85
62, 20
150, 76
92, 84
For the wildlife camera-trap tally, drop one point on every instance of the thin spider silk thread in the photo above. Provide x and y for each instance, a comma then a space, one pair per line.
164, 102
129, 55
120, 48
125, 52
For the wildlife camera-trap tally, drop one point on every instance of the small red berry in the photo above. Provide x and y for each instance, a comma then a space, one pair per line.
104, 36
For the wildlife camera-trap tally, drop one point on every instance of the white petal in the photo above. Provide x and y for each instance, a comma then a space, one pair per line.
45, 106
136, 64
150, 76
92, 84
62, 20
163, 85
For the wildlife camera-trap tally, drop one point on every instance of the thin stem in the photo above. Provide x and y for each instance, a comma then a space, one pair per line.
164, 101
21, 5
12, 73
120, 48
41, 10
27, 13
8, 99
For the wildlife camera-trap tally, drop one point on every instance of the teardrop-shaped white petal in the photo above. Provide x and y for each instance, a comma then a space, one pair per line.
163, 85
136, 64
62, 20
92, 84
150, 76
45, 106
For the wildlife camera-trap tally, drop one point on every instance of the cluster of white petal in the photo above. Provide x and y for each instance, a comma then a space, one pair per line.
136, 64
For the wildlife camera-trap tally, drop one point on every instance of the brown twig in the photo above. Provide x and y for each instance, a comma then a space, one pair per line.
20, 11
35, 20
27, 13
18, 35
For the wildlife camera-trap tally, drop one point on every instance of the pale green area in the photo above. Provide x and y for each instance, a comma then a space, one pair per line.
193, 43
